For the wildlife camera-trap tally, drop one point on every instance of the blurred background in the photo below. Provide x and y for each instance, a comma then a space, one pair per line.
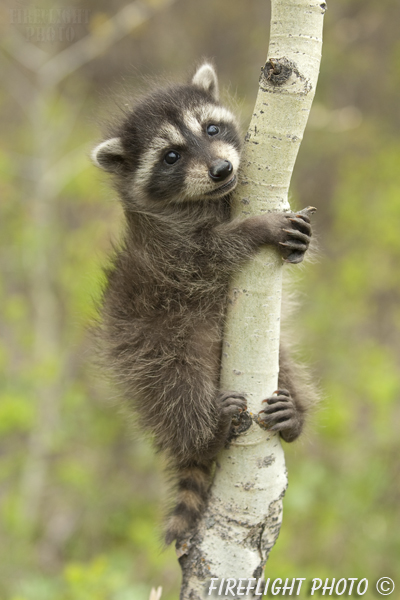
80, 495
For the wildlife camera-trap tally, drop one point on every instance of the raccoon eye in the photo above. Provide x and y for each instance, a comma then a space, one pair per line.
212, 130
171, 157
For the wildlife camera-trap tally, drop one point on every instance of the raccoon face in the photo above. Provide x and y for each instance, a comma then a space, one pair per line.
178, 145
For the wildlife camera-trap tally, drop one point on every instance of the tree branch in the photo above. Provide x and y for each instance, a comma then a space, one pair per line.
27, 54
243, 517
108, 33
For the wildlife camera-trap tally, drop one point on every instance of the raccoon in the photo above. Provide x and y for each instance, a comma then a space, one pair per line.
175, 161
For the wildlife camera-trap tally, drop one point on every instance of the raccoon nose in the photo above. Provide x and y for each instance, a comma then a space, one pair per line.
220, 170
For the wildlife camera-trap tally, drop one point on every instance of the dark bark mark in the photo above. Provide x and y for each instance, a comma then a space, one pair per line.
279, 72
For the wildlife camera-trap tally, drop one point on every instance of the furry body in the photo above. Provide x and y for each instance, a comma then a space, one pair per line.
175, 160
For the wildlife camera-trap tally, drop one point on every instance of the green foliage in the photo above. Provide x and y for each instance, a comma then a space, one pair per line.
80, 495
97, 580
343, 485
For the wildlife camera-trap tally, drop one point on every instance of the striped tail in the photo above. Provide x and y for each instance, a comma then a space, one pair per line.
193, 484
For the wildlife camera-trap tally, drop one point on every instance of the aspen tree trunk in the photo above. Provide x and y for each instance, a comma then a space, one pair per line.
244, 514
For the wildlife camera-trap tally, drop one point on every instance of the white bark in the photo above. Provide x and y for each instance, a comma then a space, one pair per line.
243, 518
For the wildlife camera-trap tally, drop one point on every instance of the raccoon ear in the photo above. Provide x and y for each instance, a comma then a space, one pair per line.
109, 155
206, 79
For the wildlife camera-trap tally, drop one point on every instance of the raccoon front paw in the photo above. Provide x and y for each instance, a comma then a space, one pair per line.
297, 235
281, 415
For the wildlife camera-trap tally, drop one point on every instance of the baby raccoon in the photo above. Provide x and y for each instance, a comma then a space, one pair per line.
175, 159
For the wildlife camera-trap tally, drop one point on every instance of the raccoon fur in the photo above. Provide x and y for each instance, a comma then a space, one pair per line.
175, 159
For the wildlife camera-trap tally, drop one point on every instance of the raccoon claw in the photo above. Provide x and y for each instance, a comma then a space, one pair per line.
297, 238
281, 415
298, 235
274, 398
302, 218
309, 209
301, 247
305, 213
